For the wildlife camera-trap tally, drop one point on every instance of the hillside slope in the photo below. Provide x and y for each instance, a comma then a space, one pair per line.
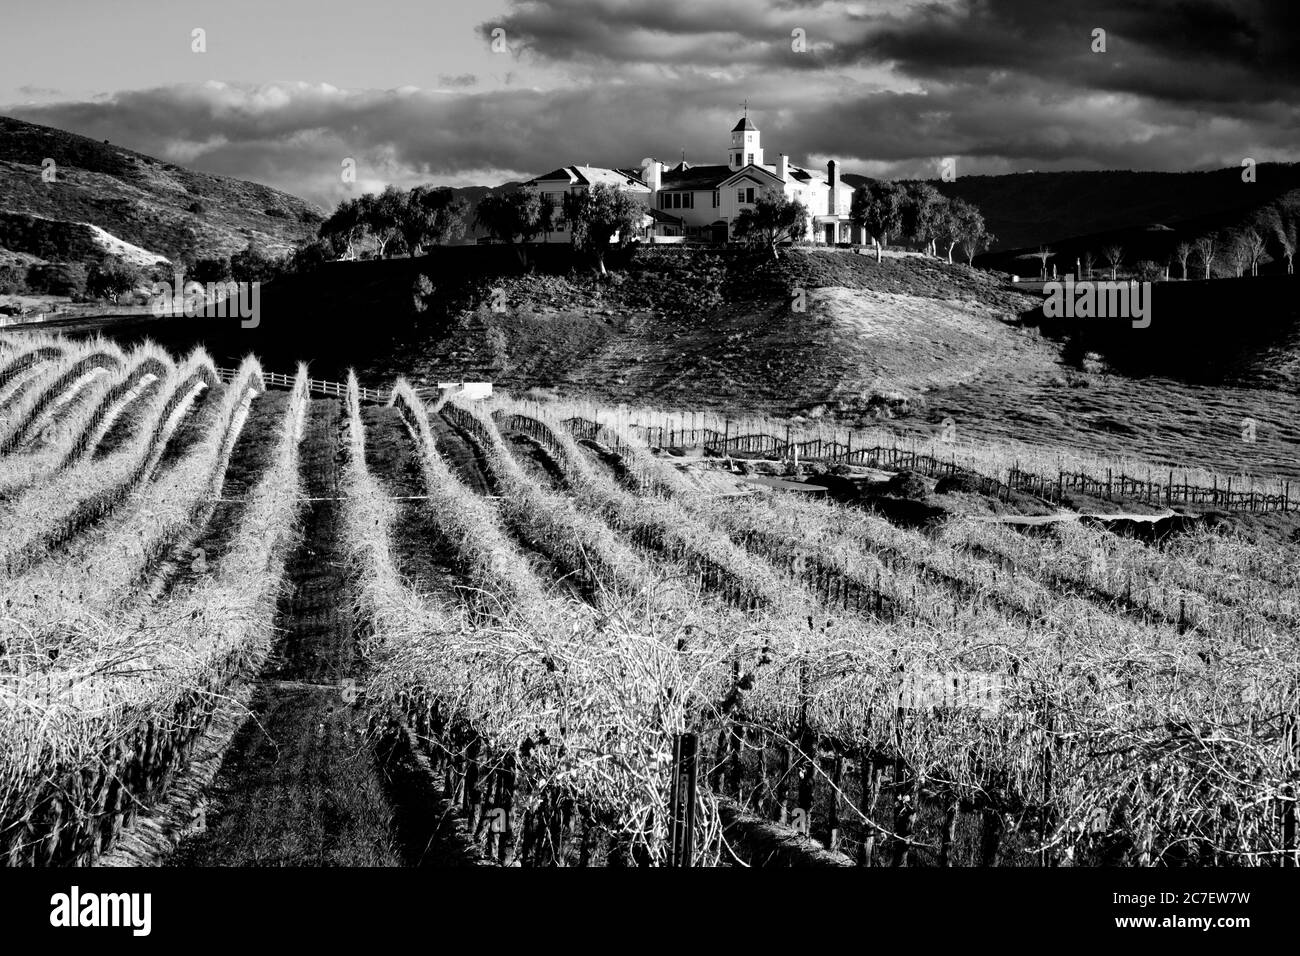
147, 202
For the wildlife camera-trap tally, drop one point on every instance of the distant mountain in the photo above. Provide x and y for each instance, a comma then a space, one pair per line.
472, 195
157, 206
1145, 213
1025, 210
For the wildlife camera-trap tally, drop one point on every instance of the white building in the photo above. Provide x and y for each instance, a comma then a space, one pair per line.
702, 202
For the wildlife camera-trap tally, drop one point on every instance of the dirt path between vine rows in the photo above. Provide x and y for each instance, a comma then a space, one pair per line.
299, 785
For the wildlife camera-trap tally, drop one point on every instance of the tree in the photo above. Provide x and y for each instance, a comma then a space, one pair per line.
216, 269
1252, 245
252, 264
1183, 252
1149, 270
965, 224
878, 208
1087, 263
344, 227
112, 278
449, 212
599, 213
1205, 251
1042, 255
12, 279
1286, 238
429, 216
923, 214
56, 278
772, 220
1234, 252
517, 217
309, 256
381, 216
1115, 258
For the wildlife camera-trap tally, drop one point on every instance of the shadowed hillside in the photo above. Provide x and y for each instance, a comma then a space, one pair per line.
157, 205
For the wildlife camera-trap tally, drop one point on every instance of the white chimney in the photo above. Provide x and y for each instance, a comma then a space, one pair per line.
652, 175
833, 179
783, 168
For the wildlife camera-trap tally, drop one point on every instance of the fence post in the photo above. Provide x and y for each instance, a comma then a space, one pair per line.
681, 843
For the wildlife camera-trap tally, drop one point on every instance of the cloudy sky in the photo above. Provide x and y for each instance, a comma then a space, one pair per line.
414, 90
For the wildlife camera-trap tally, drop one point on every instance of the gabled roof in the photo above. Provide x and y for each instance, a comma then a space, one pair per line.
752, 171
590, 176
744, 125
564, 174
695, 177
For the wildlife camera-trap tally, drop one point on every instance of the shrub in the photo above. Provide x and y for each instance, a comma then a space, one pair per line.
57, 278
12, 279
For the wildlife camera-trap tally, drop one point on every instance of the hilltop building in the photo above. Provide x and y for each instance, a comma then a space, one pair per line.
702, 202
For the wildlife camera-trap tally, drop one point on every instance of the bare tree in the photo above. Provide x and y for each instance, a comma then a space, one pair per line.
1234, 252
1115, 257
1042, 255
1182, 253
1205, 250
1253, 246
1286, 237
1087, 263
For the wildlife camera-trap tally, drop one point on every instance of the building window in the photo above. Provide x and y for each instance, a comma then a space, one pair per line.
715, 199
751, 159
737, 159
740, 195
749, 194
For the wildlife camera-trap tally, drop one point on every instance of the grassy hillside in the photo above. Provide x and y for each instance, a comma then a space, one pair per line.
1025, 210
147, 202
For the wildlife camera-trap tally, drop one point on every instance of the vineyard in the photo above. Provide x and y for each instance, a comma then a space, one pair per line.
515, 609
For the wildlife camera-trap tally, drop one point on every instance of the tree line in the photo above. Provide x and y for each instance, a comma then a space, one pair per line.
1269, 236
914, 213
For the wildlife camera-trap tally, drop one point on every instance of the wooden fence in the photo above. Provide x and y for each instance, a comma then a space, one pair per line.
314, 385
886, 458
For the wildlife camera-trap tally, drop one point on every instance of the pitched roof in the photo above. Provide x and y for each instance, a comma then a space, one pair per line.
695, 177
591, 175
744, 125
564, 173
658, 215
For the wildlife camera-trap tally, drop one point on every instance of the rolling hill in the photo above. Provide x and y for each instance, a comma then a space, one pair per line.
141, 201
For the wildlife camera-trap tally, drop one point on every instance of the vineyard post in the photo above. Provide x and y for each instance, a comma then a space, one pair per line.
837, 773
681, 843
1291, 758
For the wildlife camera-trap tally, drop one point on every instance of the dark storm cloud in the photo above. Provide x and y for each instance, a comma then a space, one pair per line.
1175, 50
1220, 51
1001, 85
